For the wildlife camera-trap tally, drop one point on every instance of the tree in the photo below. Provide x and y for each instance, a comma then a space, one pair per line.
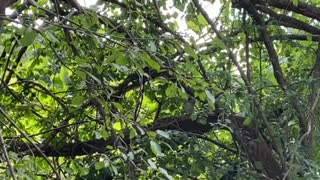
98, 92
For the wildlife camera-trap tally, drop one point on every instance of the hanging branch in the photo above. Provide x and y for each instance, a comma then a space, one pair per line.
38, 149
275, 169
273, 56
6, 156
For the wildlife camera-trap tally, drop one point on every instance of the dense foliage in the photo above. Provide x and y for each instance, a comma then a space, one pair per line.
159, 89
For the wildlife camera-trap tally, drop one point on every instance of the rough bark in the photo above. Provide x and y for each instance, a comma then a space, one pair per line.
252, 144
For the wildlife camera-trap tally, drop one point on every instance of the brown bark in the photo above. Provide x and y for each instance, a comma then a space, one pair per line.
258, 152
3, 5
305, 133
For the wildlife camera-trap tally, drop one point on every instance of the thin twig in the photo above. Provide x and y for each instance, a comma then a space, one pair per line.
6, 156
30, 141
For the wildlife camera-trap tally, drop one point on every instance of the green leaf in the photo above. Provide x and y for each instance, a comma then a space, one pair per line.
202, 120
194, 116
112, 57
114, 169
133, 133
97, 135
218, 43
309, 37
81, 74
151, 63
202, 20
121, 68
83, 171
131, 155
104, 133
152, 164
295, 2
124, 156
93, 77
122, 59
202, 96
81, 60
171, 91
155, 148
258, 165
52, 37
191, 52
210, 96
64, 76
153, 46
163, 134
247, 122
118, 126
164, 172
28, 37
151, 134
118, 106
99, 165
77, 100
193, 26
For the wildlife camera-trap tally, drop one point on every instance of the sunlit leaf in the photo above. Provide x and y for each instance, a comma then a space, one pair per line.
153, 46
152, 164
133, 133
171, 91
193, 26
99, 165
118, 126
218, 43
102, 133
156, 149
131, 155
165, 172
28, 37
152, 63
191, 52
210, 96
52, 37
202, 20
163, 134
83, 170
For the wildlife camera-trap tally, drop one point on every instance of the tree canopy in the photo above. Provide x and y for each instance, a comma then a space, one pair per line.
159, 89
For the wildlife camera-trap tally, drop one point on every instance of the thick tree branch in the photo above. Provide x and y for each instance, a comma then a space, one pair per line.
179, 123
302, 8
273, 56
288, 21
268, 43
36, 147
254, 153
297, 37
